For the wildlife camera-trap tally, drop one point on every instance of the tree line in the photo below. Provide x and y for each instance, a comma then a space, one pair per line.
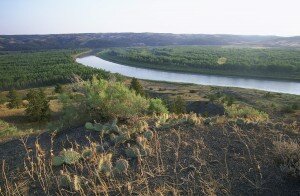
275, 62
33, 69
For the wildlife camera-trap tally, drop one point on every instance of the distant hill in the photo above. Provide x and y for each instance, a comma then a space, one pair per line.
102, 40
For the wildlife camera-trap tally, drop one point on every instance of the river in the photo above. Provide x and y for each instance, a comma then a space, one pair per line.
280, 86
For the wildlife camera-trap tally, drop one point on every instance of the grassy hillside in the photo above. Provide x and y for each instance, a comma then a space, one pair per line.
31, 69
255, 62
126, 148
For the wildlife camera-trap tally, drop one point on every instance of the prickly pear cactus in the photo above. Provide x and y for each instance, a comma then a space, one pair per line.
58, 160
240, 122
100, 149
132, 152
112, 137
89, 126
70, 156
141, 141
121, 138
145, 151
148, 135
93, 127
142, 126
76, 184
160, 120
193, 119
87, 153
104, 165
98, 127
115, 129
65, 180
121, 166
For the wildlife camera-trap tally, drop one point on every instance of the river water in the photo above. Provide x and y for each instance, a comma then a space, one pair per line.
290, 87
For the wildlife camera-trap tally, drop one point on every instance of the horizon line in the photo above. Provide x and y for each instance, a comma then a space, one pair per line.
262, 35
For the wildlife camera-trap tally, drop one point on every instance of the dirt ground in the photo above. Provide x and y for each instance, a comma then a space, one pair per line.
221, 158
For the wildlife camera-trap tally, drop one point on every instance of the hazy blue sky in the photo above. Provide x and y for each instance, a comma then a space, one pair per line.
265, 17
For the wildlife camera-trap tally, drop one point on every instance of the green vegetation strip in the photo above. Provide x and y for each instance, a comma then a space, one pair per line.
32, 69
278, 63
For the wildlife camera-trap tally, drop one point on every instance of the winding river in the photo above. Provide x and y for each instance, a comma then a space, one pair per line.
150, 74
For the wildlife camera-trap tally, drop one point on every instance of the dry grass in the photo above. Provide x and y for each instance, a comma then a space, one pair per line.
187, 157
18, 119
287, 155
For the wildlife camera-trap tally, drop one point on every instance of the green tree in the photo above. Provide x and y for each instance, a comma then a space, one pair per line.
137, 87
38, 107
58, 88
15, 100
178, 106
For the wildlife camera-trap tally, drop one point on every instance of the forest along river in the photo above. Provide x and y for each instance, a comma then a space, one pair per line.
151, 74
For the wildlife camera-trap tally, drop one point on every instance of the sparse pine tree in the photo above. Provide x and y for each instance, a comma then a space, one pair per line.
15, 100
137, 87
38, 107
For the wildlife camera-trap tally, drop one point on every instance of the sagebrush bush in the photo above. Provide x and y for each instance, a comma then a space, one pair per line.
101, 99
238, 111
156, 106
112, 99
287, 155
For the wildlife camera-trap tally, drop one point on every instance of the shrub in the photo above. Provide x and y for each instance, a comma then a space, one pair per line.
100, 99
15, 100
38, 106
295, 106
157, 106
268, 95
287, 155
287, 109
212, 97
112, 100
228, 99
238, 111
7, 129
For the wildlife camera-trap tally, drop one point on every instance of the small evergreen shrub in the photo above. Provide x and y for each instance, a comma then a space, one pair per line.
38, 107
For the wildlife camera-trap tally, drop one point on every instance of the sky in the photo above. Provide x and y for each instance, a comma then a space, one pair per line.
244, 17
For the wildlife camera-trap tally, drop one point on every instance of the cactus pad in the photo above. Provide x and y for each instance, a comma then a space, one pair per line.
70, 156
104, 165
148, 135
87, 153
89, 126
121, 166
132, 152
58, 160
